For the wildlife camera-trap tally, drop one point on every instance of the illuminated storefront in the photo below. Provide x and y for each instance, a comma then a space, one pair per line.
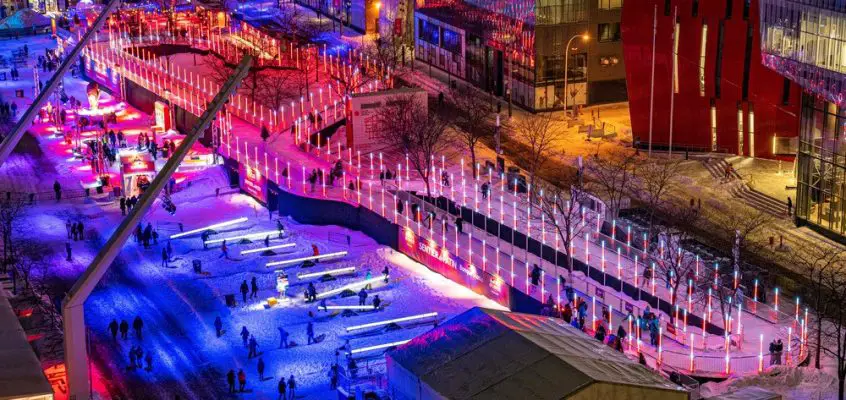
516, 49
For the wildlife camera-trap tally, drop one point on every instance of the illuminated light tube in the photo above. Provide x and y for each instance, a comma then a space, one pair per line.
379, 346
214, 226
338, 271
390, 321
309, 258
364, 307
278, 246
247, 236
349, 286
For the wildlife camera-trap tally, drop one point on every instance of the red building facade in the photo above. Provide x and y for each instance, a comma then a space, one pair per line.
724, 99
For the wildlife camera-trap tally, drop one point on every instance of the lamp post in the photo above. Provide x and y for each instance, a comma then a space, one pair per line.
585, 38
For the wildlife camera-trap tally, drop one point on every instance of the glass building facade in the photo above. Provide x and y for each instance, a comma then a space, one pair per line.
805, 40
821, 180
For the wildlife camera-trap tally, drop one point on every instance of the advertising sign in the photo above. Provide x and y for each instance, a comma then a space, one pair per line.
252, 182
440, 260
163, 120
140, 163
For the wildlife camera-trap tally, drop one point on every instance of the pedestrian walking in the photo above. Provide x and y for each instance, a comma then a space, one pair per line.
68, 226
459, 225
244, 290
74, 231
164, 258
123, 206
113, 328
124, 329
218, 326
311, 292
253, 347
242, 380
260, 368
68, 250
292, 387
245, 335
57, 189
80, 230
132, 356
137, 324
230, 379
253, 288
789, 206
169, 251
376, 302
281, 387
283, 338
362, 297
139, 356
224, 253
386, 272
310, 332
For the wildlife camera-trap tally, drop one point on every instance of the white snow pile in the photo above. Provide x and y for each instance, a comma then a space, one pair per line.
24, 18
790, 382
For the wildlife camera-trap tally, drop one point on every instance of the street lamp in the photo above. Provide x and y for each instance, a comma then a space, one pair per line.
584, 38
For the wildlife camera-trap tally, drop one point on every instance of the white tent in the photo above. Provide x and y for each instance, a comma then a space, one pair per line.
24, 19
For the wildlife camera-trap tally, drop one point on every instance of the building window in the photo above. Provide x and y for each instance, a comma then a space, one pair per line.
713, 126
610, 4
608, 32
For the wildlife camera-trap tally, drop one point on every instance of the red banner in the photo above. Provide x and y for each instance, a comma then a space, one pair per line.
438, 259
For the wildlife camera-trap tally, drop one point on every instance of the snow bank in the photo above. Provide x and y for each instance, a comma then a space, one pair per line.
790, 382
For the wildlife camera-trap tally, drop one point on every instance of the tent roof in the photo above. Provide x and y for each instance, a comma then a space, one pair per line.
21, 374
486, 353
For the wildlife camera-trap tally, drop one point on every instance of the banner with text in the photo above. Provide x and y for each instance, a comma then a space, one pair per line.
438, 259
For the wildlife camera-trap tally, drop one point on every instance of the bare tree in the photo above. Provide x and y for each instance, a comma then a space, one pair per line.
420, 136
540, 135
562, 206
745, 225
11, 212
655, 179
612, 174
471, 115
815, 262
675, 264
277, 87
834, 287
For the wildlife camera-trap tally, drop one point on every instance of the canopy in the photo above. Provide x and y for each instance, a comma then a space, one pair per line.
21, 376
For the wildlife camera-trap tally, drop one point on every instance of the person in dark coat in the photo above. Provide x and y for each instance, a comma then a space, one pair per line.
283, 338
57, 189
362, 297
137, 324
281, 387
536, 275
245, 335
292, 386
253, 347
123, 206
253, 288
164, 258
230, 379
124, 329
242, 380
376, 302
113, 328
244, 290
312, 292
260, 368
149, 361
218, 326
132, 357
386, 272
310, 332
68, 250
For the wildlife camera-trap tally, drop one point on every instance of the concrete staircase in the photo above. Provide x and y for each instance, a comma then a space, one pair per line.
737, 188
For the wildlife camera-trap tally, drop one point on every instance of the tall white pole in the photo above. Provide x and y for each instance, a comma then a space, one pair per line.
652, 79
673, 80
